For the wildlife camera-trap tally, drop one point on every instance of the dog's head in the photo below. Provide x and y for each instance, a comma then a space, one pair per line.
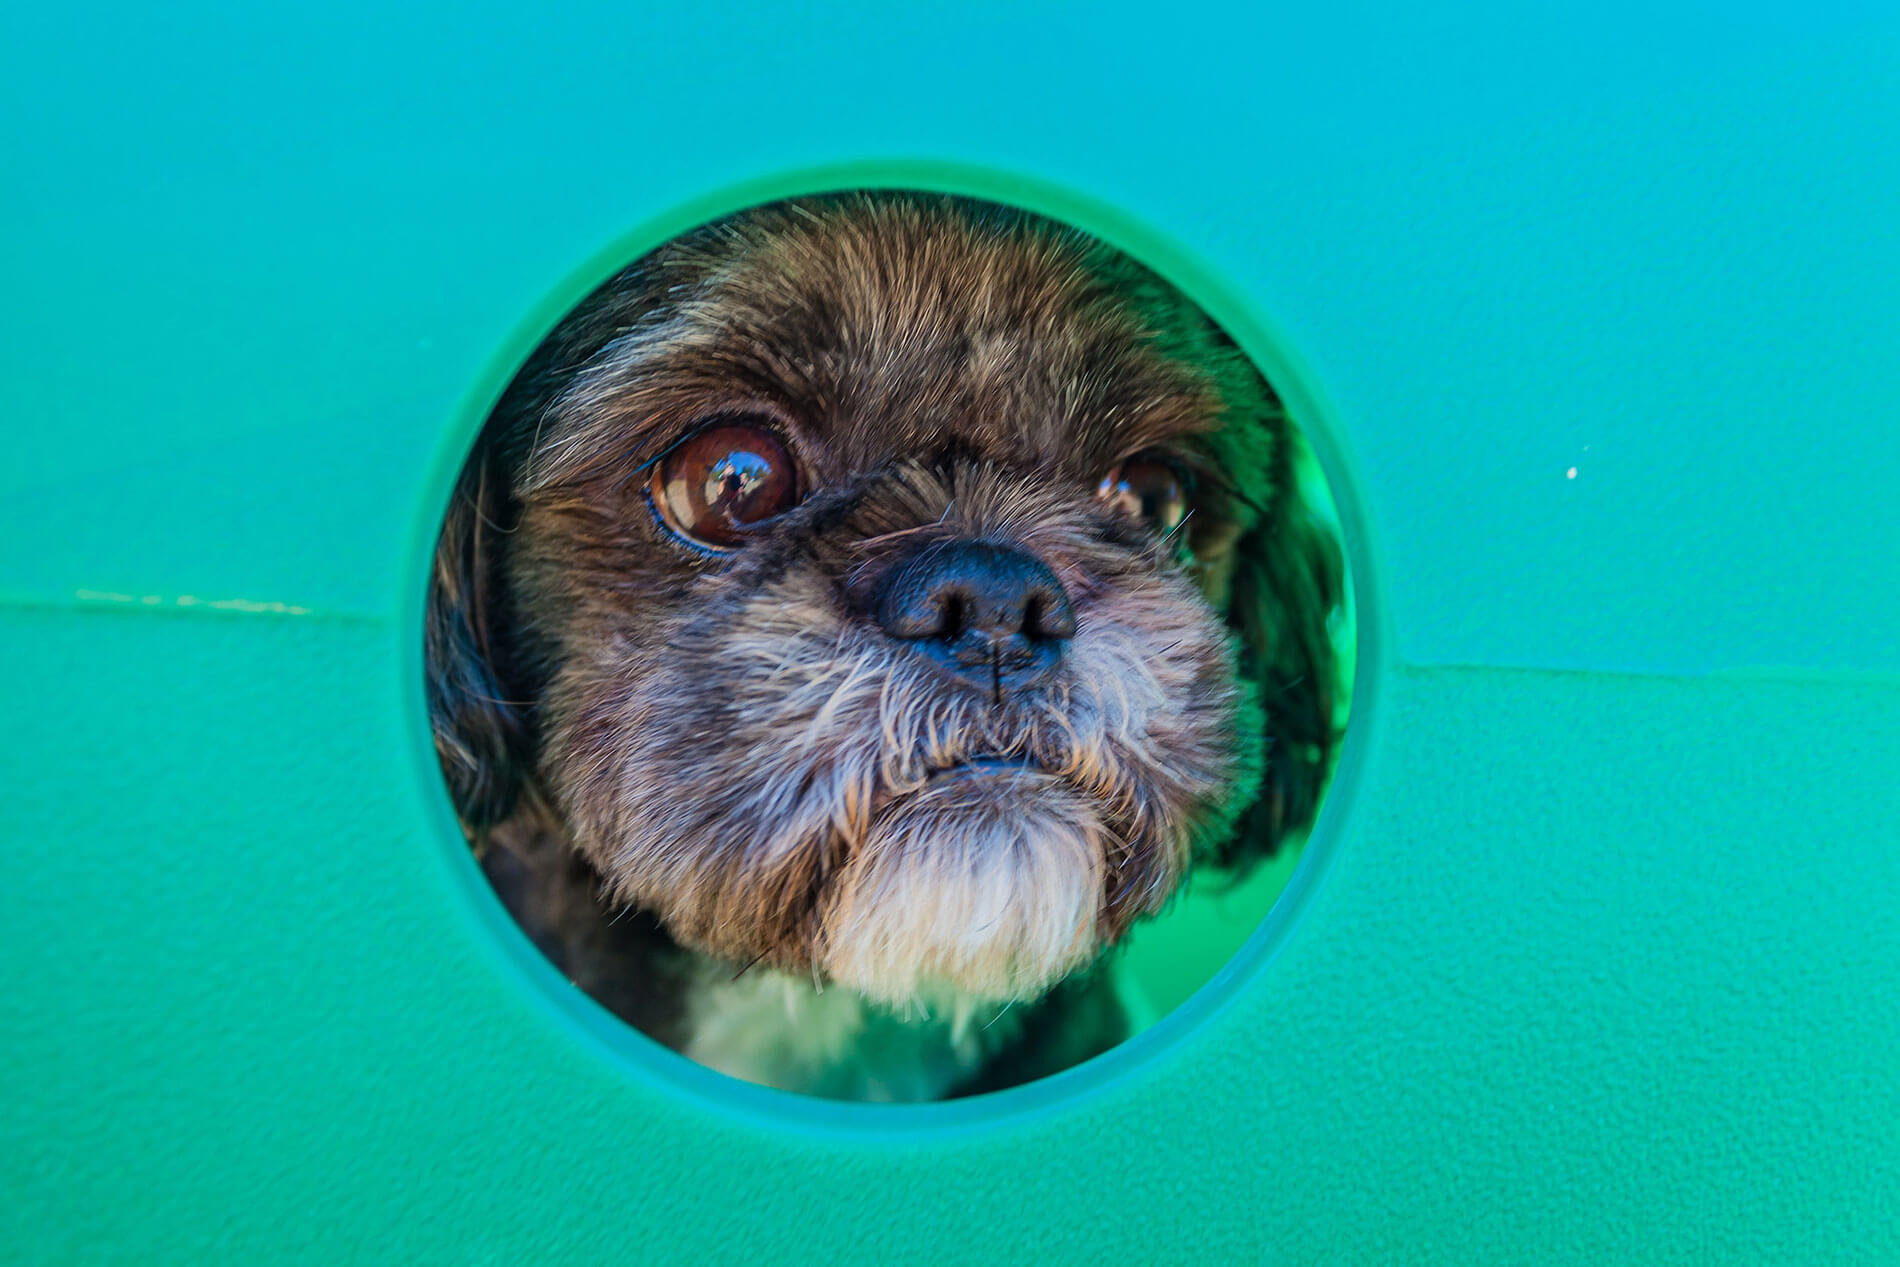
899, 589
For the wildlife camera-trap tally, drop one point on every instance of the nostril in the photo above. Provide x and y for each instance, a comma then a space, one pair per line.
950, 623
910, 609
1048, 616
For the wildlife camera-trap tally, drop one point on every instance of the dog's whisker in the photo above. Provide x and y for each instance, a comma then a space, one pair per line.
1179, 527
883, 539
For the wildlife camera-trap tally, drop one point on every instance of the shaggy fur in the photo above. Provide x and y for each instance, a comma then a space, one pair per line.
692, 765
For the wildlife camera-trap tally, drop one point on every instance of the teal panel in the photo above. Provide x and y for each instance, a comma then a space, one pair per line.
1593, 955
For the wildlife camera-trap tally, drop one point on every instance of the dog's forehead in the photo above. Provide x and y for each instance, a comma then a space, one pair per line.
898, 330
884, 329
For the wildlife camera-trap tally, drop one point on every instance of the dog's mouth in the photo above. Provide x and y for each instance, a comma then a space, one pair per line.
985, 766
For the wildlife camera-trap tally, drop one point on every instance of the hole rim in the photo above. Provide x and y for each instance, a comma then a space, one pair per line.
664, 1074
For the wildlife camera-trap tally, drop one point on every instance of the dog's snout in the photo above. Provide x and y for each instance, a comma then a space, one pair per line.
993, 616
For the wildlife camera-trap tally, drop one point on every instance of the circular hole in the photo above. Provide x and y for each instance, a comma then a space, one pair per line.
888, 646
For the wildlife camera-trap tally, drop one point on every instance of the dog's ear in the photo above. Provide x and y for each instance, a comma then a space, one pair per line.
1283, 601
477, 725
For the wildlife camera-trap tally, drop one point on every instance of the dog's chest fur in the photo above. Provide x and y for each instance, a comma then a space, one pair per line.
782, 1031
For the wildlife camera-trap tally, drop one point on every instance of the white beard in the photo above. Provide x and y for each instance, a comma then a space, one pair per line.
958, 892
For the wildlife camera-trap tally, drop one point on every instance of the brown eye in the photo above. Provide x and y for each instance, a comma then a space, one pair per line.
1146, 488
719, 481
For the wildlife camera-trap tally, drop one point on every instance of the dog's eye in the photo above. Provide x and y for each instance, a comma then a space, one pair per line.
719, 481
1146, 488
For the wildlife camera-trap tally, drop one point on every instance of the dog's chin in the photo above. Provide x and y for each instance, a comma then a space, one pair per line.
986, 882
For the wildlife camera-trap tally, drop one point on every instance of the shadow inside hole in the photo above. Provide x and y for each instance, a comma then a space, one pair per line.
1169, 958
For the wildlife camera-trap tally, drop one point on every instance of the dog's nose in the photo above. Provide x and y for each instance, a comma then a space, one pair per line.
992, 616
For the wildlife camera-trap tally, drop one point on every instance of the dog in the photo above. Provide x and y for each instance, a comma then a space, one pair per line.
855, 616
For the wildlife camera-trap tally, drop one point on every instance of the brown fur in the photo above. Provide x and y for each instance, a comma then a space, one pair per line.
731, 746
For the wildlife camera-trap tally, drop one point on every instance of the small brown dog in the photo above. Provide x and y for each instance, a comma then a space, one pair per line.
856, 615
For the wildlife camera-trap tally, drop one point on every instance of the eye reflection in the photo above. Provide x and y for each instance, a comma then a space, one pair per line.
719, 481
1148, 489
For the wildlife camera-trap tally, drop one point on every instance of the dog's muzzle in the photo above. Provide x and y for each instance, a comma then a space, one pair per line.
992, 617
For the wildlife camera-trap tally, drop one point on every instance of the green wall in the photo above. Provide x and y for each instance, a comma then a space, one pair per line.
1593, 955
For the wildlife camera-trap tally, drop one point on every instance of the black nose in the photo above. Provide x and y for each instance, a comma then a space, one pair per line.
992, 616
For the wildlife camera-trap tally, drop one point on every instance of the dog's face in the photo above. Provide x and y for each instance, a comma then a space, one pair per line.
895, 589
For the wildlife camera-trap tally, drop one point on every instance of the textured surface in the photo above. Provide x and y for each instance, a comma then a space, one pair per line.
1594, 956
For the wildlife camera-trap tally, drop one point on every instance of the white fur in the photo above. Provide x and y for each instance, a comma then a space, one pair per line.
782, 1031
997, 895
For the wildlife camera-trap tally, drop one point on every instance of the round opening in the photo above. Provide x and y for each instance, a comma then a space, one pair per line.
888, 646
